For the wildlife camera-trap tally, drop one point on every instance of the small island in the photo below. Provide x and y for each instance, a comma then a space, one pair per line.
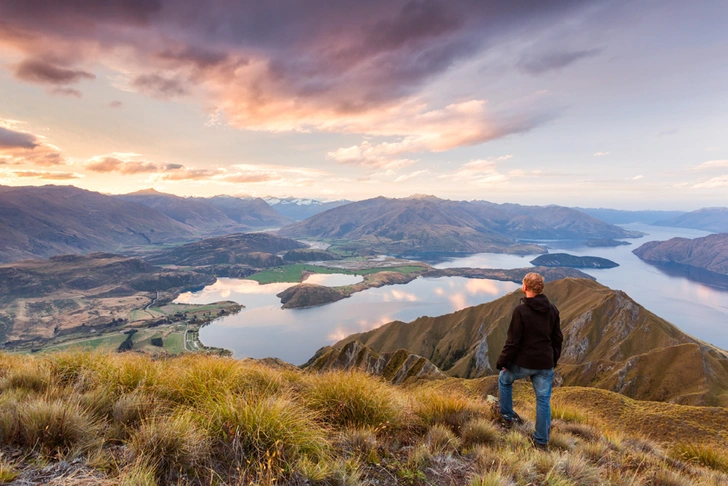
573, 261
604, 242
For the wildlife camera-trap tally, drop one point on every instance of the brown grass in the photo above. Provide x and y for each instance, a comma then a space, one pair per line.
133, 420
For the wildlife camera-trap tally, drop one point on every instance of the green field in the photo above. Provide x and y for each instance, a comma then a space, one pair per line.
294, 272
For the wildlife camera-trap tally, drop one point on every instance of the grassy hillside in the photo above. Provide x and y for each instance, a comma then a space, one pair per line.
610, 342
91, 418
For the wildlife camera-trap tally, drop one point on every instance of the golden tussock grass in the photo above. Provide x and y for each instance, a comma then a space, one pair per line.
132, 420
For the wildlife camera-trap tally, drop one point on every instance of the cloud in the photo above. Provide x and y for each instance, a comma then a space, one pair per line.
536, 63
601, 154
411, 175
12, 139
159, 86
67, 92
715, 182
116, 104
53, 176
277, 66
636, 178
106, 164
187, 174
20, 148
710, 165
420, 130
41, 72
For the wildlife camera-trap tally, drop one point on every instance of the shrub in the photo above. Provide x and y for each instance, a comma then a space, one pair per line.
362, 442
169, 444
441, 440
447, 407
157, 341
274, 428
492, 478
354, 399
479, 431
704, 454
54, 425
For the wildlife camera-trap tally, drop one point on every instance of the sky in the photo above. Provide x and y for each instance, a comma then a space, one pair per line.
594, 103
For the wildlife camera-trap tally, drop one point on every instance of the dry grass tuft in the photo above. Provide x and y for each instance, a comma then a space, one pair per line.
354, 399
441, 440
435, 406
480, 431
169, 444
704, 454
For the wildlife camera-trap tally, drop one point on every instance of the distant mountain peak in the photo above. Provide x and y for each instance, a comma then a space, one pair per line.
147, 192
429, 197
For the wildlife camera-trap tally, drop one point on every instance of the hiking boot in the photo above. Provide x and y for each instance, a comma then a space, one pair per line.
508, 423
538, 445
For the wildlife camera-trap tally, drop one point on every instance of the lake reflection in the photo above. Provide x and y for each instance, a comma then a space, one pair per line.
263, 329
698, 309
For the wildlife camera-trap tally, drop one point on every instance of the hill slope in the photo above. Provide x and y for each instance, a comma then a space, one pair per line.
709, 253
257, 249
426, 223
610, 342
107, 419
55, 220
299, 209
252, 212
706, 219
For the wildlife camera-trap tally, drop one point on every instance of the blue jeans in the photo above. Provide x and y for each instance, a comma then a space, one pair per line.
541, 381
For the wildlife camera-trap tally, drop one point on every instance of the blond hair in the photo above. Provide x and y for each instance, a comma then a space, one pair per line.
533, 282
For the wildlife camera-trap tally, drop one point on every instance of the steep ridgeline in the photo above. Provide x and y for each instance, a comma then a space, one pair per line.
429, 224
714, 220
398, 367
708, 253
55, 220
611, 342
235, 255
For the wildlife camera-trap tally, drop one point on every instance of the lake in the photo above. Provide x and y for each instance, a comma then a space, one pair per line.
263, 329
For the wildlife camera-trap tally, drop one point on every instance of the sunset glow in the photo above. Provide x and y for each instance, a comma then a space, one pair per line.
609, 103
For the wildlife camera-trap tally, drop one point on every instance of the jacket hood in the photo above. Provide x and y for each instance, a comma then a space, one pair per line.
539, 303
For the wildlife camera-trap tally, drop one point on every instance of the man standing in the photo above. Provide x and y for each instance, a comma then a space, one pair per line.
532, 349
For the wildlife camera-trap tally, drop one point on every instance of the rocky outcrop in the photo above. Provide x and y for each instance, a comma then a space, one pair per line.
573, 261
708, 253
309, 295
398, 367
605, 243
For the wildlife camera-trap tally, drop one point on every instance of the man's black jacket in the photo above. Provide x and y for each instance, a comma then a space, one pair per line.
534, 336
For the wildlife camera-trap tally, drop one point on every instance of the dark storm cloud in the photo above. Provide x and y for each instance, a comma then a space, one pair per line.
281, 64
539, 63
12, 139
41, 72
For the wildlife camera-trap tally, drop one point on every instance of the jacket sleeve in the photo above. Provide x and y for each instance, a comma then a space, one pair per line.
557, 338
513, 341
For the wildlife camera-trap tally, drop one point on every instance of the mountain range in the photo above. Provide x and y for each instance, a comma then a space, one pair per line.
427, 223
621, 216
714, 220
55, 220
211, 216
610, 342
298, 209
